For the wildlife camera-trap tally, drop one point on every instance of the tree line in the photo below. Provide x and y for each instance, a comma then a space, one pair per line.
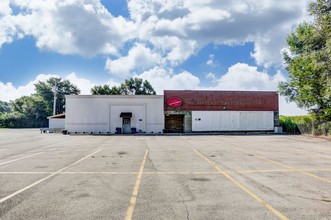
32, 111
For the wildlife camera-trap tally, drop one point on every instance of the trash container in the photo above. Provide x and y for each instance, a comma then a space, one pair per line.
133, 130
118, 131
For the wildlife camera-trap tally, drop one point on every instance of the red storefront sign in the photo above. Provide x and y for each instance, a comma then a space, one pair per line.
174, 102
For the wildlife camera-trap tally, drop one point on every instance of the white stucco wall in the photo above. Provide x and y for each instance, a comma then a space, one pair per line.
56, 123
101, 113
232, 120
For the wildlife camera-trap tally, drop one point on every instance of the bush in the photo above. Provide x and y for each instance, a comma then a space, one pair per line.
11, 120
18, 120
304, 125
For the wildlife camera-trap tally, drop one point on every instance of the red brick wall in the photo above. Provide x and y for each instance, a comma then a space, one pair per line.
194, 100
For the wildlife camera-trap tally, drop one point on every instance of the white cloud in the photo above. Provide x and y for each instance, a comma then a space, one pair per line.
81, 27
139, 57
211, 76
9, 92
84, 85
176, 28
5, 8
266, 23
211, 61
162, 79
244, 77
7, 27
290, 109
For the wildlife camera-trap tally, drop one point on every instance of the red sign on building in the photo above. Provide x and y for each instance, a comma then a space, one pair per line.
174, 102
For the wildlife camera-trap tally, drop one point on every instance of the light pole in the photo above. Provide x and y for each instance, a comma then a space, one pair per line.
54, 89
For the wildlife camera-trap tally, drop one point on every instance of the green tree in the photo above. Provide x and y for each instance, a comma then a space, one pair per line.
4, 107
45, 91
132, 86
12, 120
31, 109
105, 90
308, 63
27, 111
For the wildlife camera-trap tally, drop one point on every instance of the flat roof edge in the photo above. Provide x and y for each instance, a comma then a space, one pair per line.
248, 91
115, 96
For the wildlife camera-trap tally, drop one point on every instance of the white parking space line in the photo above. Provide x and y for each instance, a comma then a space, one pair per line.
21, 158
169, 172
45, 178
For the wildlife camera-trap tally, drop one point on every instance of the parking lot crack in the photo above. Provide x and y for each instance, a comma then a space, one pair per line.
187, 212
149, 159
311, 199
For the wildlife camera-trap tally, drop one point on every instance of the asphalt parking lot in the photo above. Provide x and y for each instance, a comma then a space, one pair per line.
55, 176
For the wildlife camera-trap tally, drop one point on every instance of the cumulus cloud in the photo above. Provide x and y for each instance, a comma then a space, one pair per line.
139, 57
8, 30
211, 61
177, 28
211, 76
84, 85
162, 79
244, 77
9, 92
265, 23
82, 27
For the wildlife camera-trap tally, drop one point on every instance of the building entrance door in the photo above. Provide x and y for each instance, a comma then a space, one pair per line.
174, 123
126, 125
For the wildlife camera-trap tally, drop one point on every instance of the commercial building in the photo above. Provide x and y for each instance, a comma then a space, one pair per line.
194, 111
177, 111
114, 114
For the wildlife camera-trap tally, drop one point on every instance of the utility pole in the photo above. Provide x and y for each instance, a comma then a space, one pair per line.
54, 89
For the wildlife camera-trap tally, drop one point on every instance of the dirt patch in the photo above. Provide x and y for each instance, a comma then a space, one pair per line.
121, 153
41, 166
200, 179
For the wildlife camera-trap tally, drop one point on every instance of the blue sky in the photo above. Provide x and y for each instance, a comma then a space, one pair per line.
178, 44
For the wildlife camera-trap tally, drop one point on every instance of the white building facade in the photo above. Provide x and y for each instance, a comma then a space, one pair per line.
109, 114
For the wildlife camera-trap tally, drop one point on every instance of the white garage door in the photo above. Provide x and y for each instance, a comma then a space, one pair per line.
232, 120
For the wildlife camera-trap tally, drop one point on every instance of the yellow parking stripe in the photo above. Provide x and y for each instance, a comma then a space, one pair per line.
134, 195
242, 187
288, 167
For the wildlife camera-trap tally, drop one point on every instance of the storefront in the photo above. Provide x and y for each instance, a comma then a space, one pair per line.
204, 111
178, 111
